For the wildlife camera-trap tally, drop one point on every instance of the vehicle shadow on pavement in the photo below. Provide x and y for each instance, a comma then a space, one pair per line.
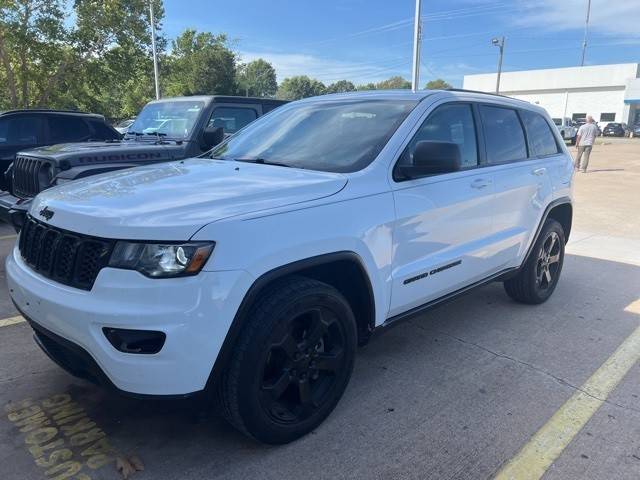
455, 392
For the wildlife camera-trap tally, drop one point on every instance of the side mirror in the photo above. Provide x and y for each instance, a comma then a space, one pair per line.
212, 136
430, 158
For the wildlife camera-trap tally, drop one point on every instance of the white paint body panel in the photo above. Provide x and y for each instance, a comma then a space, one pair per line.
263, 217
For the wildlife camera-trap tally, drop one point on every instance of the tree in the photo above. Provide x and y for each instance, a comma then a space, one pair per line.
393, 83
257, 78
295, 88
49, 61
341, 86
437, 84
201, 63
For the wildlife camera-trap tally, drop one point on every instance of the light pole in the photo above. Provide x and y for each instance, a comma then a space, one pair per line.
417, 37
153, 49
586, 32
499, 42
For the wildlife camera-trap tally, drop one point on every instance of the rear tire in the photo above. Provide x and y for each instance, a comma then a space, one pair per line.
292, 361
540, 273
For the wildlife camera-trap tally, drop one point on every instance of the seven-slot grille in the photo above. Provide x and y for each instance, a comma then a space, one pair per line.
66, 257
26, 176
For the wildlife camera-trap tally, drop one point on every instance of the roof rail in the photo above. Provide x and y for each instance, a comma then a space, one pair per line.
484, 93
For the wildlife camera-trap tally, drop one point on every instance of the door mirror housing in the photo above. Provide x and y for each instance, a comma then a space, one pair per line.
212, 136
431, 158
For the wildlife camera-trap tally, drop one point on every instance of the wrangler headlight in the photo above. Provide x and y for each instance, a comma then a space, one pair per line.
160, 260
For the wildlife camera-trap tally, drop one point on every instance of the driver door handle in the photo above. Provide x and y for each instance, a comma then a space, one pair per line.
539, 171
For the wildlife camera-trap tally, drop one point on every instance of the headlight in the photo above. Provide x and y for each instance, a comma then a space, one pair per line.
160, 260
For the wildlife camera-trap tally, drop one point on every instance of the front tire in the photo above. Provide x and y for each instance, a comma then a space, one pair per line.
292, 361
540, 273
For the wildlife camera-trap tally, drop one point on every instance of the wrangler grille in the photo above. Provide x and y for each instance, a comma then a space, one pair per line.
69, 258
30, 176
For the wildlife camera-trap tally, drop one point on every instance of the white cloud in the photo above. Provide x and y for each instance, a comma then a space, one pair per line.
328, 71
615, 18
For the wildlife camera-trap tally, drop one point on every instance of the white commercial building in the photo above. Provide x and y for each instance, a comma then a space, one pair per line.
610, 93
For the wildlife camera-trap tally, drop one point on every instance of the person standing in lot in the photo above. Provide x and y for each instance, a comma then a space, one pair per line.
587, 134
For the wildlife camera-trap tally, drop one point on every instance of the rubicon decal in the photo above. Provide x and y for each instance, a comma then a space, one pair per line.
122, 156
432, 272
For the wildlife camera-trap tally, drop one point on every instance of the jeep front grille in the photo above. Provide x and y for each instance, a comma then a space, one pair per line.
30, 176
66, 257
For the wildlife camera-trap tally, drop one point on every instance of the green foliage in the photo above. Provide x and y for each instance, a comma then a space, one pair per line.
86, 64
201, 64
437, 84
257, 79
295, 88
393, 83
341, 86
367, 86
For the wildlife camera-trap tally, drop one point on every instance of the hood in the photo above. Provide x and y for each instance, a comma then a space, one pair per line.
173, 200
88, 153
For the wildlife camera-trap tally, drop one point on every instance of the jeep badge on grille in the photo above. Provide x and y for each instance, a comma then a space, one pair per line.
46, 213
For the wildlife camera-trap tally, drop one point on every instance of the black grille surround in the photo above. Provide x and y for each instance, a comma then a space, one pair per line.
30, 176
67, 257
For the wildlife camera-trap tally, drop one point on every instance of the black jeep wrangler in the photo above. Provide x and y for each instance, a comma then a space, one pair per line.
165, 130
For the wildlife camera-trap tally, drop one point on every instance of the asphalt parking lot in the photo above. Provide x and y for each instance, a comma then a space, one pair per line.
479, 387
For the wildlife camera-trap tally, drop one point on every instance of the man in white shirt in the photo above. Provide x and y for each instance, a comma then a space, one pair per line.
587, 134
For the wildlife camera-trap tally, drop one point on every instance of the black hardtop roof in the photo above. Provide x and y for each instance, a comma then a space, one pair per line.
51, 110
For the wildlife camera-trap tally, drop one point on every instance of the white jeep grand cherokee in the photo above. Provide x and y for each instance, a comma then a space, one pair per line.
257, 272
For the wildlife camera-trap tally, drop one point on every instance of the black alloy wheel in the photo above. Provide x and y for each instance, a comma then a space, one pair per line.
548, 263
292, 361
539, 274
302, 365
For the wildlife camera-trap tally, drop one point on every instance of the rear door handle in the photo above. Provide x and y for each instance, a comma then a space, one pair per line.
539, 171
480, 183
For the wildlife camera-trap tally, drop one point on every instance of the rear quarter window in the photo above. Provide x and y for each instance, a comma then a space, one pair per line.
541, 139
504, 137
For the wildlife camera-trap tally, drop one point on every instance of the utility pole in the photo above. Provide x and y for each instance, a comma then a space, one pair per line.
153, 49
586, 32
417, 40
499, 42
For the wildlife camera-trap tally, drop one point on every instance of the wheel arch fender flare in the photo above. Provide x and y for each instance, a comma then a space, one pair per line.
558, 202
269, 277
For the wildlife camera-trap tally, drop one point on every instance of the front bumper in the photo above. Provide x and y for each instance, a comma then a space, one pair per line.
195, 313
13, 210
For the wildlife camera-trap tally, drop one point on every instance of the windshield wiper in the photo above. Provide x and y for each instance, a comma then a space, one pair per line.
261, 161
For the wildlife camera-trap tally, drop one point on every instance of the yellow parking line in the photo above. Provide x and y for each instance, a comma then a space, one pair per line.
548, 443
5, 322
8, 237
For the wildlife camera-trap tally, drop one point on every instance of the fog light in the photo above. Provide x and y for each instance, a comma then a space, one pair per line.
135, 341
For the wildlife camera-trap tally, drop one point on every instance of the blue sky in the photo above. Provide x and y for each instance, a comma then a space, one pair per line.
369, 40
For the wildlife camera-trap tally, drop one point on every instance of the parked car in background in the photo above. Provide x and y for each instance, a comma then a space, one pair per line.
23, 129
124, 125
567, 129
614, 129
636, 130
255, 273
167, 129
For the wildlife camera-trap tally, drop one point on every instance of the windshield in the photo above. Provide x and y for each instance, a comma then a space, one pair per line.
175, 119
557, 121
339, 136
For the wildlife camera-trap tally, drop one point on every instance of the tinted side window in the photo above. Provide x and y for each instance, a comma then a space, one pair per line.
232, 119
64, 129
541, 140
21, 130
503, 134
448, 123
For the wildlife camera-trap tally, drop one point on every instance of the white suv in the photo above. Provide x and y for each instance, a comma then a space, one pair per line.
255, 273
